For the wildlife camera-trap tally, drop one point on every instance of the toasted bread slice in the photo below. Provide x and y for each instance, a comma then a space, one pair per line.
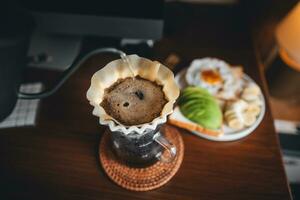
237, 71
177, 119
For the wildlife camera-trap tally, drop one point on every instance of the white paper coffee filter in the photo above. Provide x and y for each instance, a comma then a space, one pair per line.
117, 69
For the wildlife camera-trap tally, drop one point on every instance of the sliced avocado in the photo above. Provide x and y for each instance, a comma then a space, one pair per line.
200, 107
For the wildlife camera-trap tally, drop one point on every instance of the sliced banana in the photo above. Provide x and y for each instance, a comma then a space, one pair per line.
256, 102
251, 92
237, 105
248, 118
229, 113
235, 124
253, 109
240, 114
252, 89
232, 114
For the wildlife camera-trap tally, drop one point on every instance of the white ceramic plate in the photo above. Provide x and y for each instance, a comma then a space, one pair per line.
229, 134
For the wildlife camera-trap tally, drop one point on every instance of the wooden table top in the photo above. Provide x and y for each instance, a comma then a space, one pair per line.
58, 159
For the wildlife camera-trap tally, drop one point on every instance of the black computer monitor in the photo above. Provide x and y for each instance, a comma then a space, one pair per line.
142, 19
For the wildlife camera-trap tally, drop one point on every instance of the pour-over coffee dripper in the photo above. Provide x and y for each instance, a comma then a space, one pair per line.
140, 144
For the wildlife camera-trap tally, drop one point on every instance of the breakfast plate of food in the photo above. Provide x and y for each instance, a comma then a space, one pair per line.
218, 102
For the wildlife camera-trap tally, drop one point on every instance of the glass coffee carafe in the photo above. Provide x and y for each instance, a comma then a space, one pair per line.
142, 149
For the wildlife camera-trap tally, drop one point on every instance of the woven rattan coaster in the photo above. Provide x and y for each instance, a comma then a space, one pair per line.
141, 179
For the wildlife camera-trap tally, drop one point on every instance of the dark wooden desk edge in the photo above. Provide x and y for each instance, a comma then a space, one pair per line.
267, 96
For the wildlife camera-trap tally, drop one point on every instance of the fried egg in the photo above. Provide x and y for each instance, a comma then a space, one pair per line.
214, 75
